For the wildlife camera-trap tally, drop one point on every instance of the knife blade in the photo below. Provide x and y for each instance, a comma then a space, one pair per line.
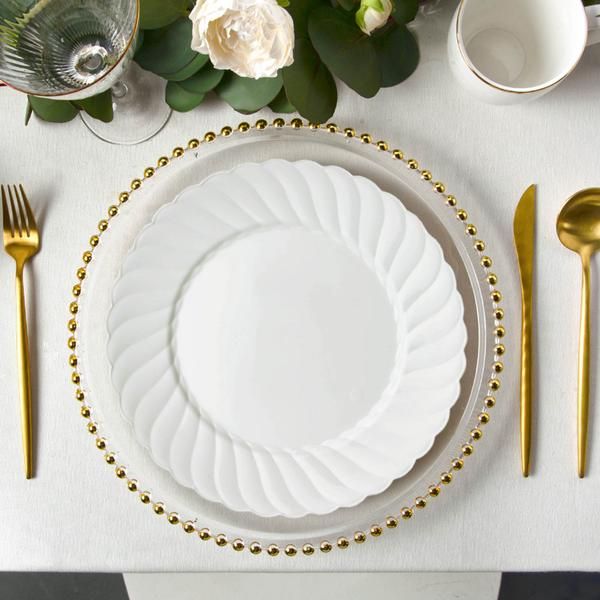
524, 238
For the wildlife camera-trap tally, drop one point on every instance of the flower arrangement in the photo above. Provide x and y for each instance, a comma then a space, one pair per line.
285, 54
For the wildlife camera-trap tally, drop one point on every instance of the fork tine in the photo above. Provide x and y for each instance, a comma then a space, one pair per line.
7, 223
31, 224
15, 220
24, 222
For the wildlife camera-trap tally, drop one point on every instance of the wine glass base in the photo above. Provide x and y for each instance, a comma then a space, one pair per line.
140, 110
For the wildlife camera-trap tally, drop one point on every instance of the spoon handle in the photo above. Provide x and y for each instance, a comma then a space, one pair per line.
583, 379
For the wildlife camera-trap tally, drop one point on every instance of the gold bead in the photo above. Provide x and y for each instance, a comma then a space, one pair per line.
103, 225
136, 184
163, 161
471, 229
273, 550
121, 472
479, 245
87, 256
406, 513
75, 378
496, 296
209, 136
376, 530
314, 126
226, 131
484, 418
189, 527
159, 508
342, 543
434, 491
461, 214
412, 164
349, 132
72, 343
85, 412
261, 124
132, 485
145, 497
325, 547
426, 175
486, 262
476, 434
467, 449
451, 200
178, 152
72, 325
498, 314
490, 401
123, 197
221, 540
332, 127
446, 478
420, 502
101, 443
494, 384
238, 545
193, 143
279, 123
73, 360
398, 154
79, 395
365, 138
381, 145
308, 549
81, 272
439, 187
290, 550
391, 522
76, 290
94, 241
149, 172
499, 331
498, 367
109, 457
204, 534
499, 349
359, 537
255, 548
243, 126
74, 308
457, 464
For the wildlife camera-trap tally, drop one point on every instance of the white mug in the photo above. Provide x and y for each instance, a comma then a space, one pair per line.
510, 51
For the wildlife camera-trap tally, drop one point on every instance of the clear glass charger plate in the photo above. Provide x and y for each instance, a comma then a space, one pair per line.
394, 172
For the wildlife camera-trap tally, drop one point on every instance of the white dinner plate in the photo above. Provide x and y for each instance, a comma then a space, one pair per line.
286, 338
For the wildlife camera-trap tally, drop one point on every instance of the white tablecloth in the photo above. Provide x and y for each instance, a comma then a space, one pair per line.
75, 515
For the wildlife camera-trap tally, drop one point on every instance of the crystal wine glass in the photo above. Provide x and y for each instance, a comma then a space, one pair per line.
75, 49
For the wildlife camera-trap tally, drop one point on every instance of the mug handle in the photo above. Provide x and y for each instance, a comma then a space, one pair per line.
593, 17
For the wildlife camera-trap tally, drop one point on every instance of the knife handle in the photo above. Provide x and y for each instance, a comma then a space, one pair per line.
526, 391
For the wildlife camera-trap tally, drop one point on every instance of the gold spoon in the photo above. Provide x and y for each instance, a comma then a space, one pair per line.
578, 228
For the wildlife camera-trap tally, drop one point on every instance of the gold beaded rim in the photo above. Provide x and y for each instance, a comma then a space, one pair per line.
391, 522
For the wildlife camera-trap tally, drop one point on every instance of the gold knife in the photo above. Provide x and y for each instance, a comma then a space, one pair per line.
524, 236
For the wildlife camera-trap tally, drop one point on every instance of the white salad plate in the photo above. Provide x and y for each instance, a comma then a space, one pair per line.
286, 338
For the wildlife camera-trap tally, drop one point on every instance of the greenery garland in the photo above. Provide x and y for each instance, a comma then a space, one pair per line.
328, 44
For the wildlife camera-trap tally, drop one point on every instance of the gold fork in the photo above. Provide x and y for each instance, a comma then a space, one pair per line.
21, 241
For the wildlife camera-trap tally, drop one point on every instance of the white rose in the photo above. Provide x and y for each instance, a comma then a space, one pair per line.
373, 14
253, 38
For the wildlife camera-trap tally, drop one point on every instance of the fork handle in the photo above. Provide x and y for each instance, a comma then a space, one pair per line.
24, 374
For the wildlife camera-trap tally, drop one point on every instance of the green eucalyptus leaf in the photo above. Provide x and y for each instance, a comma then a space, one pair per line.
28, 112
202, 82
300, 10
158, 13
167, 50
309, 85
348, 4
139, 40
55, 111
190, 69
281, 104
248, 95
398, 54
99, 107
347, 52
405, 11
180, 99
